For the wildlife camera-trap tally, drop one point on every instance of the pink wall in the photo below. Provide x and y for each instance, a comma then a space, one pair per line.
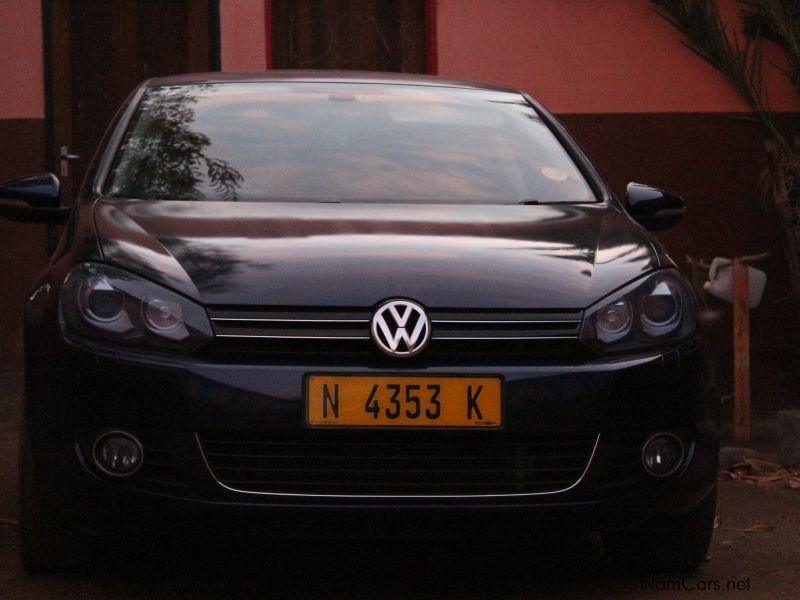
582, 56
21, 61
243, 35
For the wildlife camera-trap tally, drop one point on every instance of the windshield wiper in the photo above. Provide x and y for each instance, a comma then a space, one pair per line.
533, 201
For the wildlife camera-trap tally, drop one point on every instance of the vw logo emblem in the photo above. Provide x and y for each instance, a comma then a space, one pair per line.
401, 328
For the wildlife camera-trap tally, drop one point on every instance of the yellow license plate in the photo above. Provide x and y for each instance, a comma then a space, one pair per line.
403, 401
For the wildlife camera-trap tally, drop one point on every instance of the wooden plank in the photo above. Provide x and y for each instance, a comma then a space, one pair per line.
741, 351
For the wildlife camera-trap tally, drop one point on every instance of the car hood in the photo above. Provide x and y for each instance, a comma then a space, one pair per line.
355, 255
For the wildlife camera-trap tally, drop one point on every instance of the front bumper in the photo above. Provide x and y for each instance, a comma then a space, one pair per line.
171, 403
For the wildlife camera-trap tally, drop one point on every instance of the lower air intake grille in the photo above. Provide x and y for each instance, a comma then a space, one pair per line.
362, 463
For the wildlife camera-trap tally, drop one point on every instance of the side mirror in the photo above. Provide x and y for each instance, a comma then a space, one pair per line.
41, 194
653, 208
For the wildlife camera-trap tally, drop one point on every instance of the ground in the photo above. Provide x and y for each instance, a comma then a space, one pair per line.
762, 563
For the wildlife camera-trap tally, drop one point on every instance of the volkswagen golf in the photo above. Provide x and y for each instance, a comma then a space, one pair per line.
349, 304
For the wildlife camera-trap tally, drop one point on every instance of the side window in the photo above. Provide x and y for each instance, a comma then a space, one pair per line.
368, 35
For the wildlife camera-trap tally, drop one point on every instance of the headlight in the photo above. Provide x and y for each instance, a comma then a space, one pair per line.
613, 321
107, 304
656, 309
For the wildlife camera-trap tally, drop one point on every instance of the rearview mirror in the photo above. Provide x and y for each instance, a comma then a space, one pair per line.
40, 192
653, 208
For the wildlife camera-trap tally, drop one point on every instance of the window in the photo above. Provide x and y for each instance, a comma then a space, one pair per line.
366, 35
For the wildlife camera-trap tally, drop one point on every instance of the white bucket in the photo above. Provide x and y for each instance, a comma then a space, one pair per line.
720, 281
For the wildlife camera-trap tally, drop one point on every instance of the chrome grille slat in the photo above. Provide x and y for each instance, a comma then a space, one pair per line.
292, 320
218, 455
500, 322
416, 486
517, 316
290, 314
507, 338
289, 336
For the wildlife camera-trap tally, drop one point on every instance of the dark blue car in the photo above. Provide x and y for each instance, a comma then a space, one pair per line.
349, 304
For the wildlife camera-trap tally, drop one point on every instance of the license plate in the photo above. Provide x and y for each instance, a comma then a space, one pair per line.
403, 401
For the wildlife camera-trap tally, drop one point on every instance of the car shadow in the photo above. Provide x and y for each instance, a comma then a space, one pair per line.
554, 565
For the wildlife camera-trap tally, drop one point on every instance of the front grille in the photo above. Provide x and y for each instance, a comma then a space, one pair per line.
516, 334
407, 463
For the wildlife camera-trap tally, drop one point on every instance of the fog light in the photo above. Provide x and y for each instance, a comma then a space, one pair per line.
662, 454
118, 453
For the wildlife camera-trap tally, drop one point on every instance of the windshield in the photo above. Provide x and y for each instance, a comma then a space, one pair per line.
341, 142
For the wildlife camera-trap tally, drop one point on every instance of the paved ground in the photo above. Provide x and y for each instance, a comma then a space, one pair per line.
762, 564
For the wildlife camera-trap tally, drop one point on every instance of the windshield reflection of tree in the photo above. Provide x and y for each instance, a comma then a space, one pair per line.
163, 157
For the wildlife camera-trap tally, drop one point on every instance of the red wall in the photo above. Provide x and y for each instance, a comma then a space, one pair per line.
581, 56
22, 151
243, 28
21, 66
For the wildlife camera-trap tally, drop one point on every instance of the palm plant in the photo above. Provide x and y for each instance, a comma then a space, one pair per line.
739, 60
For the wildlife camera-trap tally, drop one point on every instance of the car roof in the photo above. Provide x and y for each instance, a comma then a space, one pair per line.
320, 76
